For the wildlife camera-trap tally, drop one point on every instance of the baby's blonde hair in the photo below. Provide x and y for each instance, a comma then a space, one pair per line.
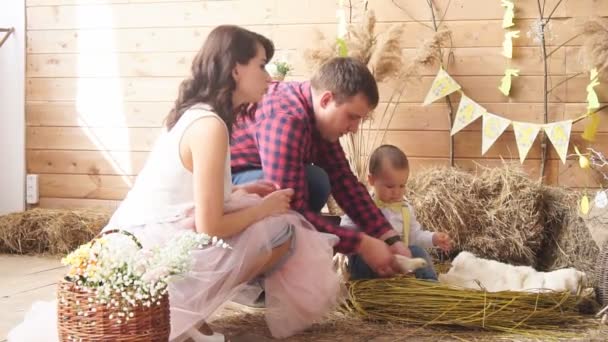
396, 157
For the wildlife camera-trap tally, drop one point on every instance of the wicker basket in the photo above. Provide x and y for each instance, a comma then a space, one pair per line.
602, 275
80, 318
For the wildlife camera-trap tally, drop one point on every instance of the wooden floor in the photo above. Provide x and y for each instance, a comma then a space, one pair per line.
25, 280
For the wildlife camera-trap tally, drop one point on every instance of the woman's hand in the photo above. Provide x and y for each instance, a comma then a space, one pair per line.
277, 202
260, 187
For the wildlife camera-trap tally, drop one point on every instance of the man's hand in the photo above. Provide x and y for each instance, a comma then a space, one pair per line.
443, 241
260, 187
378, 256
400, 248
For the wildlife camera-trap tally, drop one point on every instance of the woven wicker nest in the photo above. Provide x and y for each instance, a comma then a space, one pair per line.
407, 300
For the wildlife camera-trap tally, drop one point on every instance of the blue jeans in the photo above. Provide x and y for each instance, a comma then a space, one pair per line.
360, 270
318, 184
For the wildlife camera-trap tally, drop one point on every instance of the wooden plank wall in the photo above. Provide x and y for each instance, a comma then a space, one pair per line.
102, 74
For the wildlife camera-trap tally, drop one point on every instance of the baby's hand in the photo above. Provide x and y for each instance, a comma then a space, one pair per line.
443, 241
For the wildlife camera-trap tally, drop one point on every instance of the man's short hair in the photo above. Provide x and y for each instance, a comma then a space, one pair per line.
346, 77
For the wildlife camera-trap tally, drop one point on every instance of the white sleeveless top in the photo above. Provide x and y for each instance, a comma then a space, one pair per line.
163, 190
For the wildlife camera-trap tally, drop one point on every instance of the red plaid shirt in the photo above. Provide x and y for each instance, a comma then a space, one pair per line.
282, 140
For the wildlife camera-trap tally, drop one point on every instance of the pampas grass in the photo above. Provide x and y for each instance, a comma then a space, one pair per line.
430, 51
595, 45
322, 53
387, 59
362, 38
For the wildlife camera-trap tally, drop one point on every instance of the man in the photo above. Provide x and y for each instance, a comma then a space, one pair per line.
293, 142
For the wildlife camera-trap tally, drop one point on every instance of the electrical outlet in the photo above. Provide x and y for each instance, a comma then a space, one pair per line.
31, 189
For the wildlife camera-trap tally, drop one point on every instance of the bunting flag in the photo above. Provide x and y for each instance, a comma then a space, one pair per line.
559, 135
592, 100
493, 126
507, 20
442, 86
505, 85
525, 134
591, 127
507, 44
468, 111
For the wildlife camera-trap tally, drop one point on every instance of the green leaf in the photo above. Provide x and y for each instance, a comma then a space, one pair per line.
342, 49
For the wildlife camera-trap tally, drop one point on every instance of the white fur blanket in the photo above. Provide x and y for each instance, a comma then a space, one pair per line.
471, 272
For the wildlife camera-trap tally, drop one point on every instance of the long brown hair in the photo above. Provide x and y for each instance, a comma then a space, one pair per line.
211, 80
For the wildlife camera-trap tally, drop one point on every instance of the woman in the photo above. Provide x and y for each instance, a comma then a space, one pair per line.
186, 185
180, 186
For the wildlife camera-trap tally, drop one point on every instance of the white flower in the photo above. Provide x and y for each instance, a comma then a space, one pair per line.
124, 276
153, 275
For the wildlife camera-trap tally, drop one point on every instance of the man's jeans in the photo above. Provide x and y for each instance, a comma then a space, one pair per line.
318, 184
360, 270
318, 193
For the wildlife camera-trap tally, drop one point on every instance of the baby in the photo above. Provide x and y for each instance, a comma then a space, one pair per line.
388, 174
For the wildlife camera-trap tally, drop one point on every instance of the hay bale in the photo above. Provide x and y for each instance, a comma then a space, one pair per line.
568, 241
597, 222
439, 196
513, 222
52, 231
495, 214
502, 214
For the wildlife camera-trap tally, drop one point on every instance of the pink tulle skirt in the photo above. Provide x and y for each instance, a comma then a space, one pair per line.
299, 290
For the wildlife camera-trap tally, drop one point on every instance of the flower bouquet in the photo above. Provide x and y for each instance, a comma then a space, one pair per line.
115, 290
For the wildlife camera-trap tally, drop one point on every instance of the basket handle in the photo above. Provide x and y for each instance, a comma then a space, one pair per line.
119, 231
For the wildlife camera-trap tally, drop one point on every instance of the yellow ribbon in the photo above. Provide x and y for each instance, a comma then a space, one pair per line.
405, 213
